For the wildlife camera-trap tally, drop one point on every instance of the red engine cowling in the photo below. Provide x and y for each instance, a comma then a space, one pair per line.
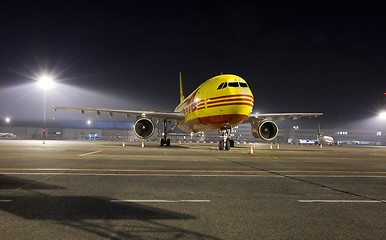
266, 130
144, 128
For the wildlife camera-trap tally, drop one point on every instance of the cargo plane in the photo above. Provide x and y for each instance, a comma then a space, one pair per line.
321, 139
7, 136
219, 104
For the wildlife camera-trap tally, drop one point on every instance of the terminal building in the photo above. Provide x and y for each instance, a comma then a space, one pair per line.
123, 131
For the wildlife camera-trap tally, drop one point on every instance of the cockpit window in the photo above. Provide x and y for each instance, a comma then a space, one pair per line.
220, 86
233, 84
243, 84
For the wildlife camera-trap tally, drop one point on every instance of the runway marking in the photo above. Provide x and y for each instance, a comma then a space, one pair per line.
139, 174
342, 201
327, 171
171, 171
5, 200
123, 174
89, 153
160, 201
151, 171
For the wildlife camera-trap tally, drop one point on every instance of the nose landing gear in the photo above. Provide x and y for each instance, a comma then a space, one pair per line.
226, 143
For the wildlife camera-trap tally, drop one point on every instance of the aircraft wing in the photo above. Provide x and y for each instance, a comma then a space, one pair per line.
173, 116
279, 116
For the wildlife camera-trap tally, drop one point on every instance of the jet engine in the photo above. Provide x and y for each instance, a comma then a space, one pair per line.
266, 130
143, 128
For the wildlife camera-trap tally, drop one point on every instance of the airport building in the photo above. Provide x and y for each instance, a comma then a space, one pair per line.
68, 130
81, 130
340, 136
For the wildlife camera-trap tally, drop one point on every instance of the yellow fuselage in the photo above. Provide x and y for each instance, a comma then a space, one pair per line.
223, 101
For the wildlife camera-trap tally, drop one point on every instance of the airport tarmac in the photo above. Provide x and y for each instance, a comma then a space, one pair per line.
104, 190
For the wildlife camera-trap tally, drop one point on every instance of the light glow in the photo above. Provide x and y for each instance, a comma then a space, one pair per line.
45, 82
382, 115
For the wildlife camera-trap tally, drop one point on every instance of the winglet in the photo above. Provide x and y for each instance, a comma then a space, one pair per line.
182, 97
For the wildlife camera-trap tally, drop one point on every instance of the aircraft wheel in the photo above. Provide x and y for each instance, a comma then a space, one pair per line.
162, 142
232, 143
227, 144
167, 142
221, 145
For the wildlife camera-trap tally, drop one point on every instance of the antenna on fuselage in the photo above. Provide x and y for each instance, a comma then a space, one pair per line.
182, 97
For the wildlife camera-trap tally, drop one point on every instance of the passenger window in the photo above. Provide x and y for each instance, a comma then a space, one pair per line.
233, 84
243, 84
225, 85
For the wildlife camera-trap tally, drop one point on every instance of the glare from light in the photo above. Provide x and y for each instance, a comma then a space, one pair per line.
382, 115
88, 122
7, 120
45, 82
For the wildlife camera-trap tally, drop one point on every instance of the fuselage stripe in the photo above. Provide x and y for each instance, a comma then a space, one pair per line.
223, 101
225, 104
229, 96
229, 100
231, 103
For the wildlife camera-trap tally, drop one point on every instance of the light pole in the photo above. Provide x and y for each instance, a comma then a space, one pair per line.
45, 82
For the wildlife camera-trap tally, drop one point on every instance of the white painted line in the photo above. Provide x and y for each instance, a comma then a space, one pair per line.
136, 174
5, 200
160, 201
342, 201
124, 174
337, 176
89, 153
196, 201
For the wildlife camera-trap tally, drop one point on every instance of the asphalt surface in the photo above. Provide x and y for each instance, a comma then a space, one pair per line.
103, 190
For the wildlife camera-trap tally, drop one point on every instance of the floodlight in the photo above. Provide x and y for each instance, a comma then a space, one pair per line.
382, 115
46, 82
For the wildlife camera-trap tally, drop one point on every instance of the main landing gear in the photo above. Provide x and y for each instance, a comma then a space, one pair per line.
165, 141
225, 143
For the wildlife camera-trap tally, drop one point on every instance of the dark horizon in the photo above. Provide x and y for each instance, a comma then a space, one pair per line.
310, 57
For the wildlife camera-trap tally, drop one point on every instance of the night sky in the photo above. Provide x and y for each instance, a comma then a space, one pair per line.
320, 57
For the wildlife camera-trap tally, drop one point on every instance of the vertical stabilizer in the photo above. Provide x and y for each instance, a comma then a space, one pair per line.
319, 132
182, 97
